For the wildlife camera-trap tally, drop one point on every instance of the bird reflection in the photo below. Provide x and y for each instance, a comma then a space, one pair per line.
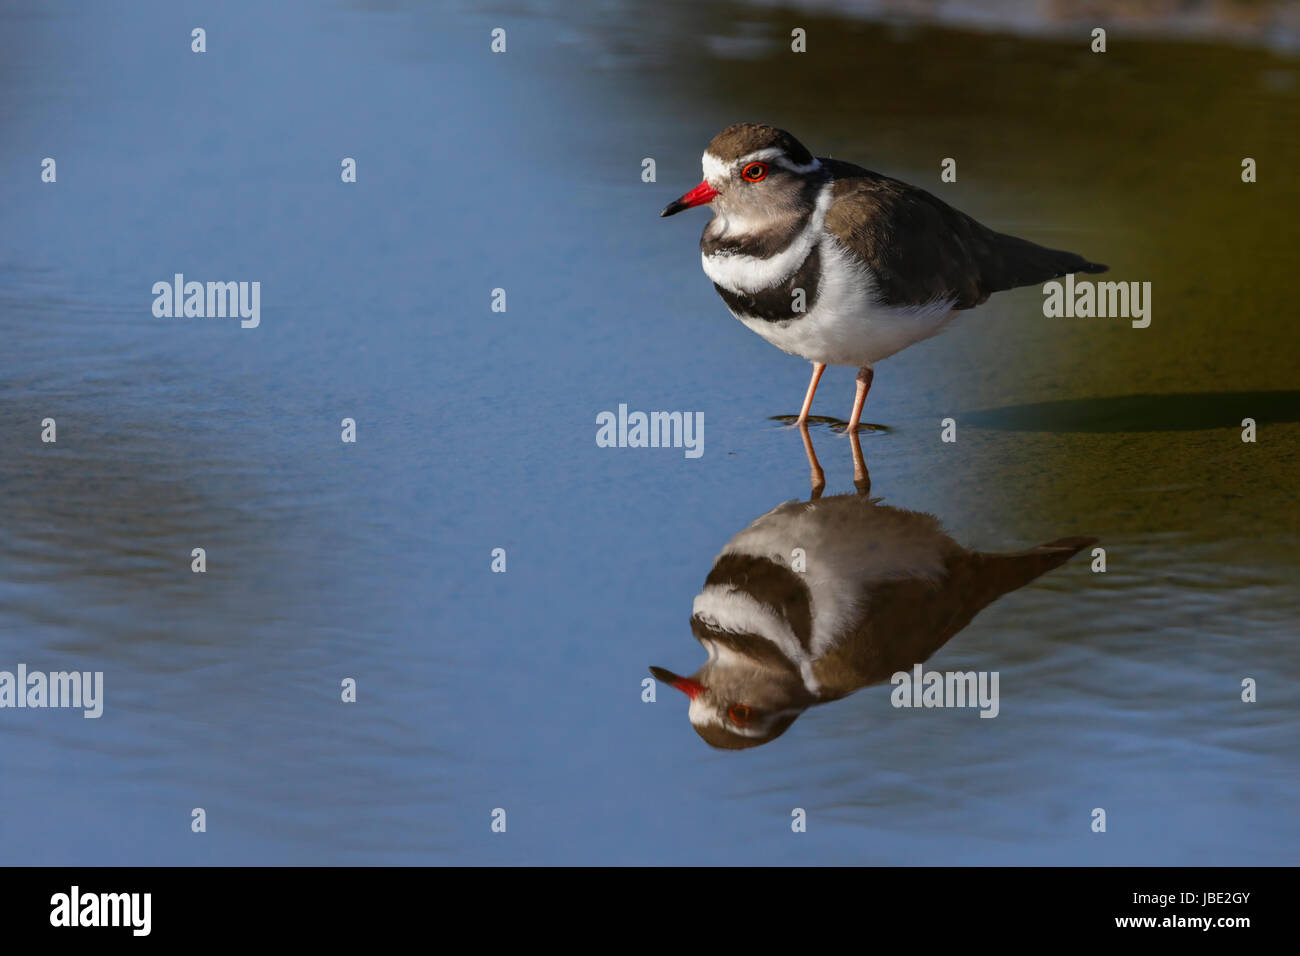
817, 599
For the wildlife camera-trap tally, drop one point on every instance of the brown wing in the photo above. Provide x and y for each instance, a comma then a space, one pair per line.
908, 620
922, 250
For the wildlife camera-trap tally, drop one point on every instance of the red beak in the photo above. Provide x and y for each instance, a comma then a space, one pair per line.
684, 684
696, 197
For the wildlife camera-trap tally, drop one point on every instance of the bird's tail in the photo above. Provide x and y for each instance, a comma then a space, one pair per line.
1026, 263
1004, 573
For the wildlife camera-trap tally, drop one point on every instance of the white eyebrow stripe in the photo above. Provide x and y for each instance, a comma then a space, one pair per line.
715, 169
775, 154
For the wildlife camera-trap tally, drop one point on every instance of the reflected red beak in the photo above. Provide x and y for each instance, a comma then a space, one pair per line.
684, 684
696, 197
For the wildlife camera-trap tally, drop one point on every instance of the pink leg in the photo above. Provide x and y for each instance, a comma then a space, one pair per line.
861, 480
865, 375
816, 476
818, 368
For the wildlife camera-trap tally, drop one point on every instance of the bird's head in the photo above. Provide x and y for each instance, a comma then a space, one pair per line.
734, 706
754, 174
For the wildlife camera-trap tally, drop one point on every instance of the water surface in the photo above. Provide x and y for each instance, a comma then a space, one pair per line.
476, 431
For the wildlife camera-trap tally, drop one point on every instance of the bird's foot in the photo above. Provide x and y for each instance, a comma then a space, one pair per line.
793, 421
838, 425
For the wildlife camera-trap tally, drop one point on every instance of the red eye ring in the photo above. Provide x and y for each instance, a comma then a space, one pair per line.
739, 714
754, 172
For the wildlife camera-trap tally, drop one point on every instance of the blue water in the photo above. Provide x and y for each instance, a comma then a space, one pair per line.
476, 431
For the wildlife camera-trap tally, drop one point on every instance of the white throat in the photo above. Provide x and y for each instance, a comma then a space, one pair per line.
741, 273
735, 611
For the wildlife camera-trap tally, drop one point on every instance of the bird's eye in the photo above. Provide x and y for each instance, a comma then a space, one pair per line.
754, 172
739, 714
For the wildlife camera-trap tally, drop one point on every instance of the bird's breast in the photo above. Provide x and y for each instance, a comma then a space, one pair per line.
826, 308
786, 299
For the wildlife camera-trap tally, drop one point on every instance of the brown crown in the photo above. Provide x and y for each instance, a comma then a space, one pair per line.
744, 138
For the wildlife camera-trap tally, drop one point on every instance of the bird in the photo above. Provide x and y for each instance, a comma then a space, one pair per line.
840, 265
877, 590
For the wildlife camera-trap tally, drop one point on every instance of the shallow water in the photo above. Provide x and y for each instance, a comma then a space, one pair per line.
476, 431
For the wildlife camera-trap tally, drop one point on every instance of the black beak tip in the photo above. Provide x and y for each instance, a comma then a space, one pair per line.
671, 209
661, 675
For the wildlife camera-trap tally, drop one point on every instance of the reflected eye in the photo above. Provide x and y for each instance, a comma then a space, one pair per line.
739, 714
754, 172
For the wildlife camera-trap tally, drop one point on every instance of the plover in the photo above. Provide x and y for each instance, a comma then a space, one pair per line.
841, 265
880, 590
